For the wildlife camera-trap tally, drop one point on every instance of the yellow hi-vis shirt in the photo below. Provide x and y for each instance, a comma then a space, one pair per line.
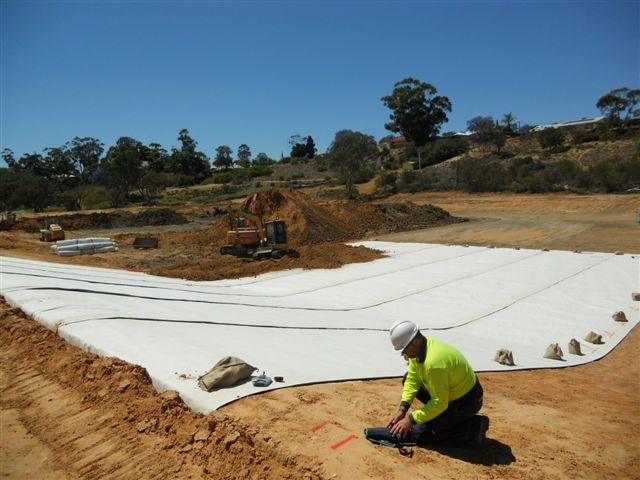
445, 374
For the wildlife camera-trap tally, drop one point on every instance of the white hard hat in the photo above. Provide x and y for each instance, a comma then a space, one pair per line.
402, 332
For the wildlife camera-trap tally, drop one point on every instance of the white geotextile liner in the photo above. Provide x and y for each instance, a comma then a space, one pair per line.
328, 325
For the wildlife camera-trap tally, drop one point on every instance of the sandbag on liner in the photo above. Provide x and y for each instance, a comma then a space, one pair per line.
227, 372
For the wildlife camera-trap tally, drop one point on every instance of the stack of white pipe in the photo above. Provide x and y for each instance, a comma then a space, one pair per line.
83, 246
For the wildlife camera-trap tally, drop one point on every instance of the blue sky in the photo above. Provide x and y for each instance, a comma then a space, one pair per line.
257, 72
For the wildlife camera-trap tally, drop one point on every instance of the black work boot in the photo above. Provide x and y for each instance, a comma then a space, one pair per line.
478, 427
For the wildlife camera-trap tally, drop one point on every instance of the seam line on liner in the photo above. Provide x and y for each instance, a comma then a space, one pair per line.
61, 270
472, 320
284, 307
415, 292
352, 280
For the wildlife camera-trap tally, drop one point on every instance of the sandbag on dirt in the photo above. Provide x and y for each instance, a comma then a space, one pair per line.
226, 373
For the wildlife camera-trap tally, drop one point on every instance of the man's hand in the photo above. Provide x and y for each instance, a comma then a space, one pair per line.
399, 415
401, 428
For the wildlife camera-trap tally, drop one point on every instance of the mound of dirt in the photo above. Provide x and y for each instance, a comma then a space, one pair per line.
310, 222
218, 267
319, 231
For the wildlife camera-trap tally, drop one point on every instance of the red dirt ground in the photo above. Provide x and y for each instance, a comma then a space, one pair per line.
67, 414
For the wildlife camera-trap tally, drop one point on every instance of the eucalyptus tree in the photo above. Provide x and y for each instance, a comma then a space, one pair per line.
614, 103
224, 158
122, 168
349, 154
416, 111
244, 156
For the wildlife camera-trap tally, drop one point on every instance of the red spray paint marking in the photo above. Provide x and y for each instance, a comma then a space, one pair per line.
342, 442
318, 426
322, 424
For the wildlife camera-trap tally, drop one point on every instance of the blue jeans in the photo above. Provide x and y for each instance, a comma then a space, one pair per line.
453, 421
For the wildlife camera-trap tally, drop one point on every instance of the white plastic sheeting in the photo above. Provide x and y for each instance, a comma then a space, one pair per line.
84, 246
330, 325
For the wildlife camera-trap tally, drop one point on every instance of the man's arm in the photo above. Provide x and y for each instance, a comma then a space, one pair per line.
438, 386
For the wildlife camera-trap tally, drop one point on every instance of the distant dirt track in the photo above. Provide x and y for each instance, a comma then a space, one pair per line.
603, 223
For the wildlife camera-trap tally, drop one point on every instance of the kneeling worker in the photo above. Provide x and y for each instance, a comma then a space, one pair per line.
442, 379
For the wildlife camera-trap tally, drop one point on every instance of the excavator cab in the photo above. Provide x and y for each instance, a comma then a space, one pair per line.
276, 232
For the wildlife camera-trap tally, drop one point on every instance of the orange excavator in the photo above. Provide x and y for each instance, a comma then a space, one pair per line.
249, 236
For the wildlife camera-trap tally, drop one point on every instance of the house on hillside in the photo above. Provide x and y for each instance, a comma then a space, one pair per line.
575, 125
466, 133
392, 141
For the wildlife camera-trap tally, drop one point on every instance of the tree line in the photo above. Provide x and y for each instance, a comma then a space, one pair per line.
80, 174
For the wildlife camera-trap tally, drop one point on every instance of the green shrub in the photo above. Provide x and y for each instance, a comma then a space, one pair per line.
410, 154
240, 176
385, 179
178, 180
258, 170
616, 175
69, 199
443, 149
550, 138
227, 189
385, 182
585, 136
87, 197
321, 163
223, 176
390, 164
408, 181
477, 175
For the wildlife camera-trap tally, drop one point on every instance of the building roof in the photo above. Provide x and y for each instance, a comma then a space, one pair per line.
573, 123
